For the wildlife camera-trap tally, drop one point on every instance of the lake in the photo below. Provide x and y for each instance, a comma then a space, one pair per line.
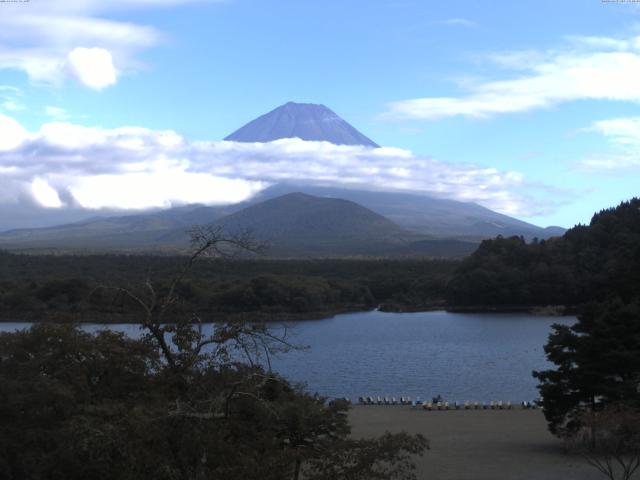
479, 357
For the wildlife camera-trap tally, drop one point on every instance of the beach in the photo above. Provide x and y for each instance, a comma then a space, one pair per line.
477, 444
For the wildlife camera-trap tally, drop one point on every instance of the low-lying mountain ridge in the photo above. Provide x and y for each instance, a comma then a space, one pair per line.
295, 224
425, 215
129, 231
301, 216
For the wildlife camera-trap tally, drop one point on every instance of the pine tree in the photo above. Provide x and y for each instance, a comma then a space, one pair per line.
597, 363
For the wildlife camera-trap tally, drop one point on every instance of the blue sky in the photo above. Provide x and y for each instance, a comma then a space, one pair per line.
528, 107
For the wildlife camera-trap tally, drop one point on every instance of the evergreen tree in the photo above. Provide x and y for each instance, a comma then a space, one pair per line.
597, 363
588, 263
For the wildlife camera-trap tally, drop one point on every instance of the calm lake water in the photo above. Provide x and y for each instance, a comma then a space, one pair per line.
462, 357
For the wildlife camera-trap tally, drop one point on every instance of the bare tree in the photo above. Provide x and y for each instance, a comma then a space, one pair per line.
184, 345
218, 414
609, 441
181, 338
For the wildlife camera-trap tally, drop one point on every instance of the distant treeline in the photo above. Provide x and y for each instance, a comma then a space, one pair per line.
81, 288
589, 263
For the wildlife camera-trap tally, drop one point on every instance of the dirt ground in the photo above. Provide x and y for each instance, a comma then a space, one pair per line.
478, 444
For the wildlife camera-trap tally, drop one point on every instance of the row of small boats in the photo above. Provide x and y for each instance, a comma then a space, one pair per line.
439, 404
386, 401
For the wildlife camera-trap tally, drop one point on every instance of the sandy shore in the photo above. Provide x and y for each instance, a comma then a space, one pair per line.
478, 444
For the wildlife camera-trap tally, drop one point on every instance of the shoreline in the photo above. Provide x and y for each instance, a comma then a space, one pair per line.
111, 319
546, 310
275, 317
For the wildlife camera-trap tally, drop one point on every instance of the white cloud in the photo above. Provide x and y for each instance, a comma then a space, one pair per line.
458, 22
12, 105
56, 113
37, 39
609, 163
623, 134
44, 194
594, 68
133, 167
100, 6
9, 98
161, 188
12, 134
601, 42
620, 131
93, 67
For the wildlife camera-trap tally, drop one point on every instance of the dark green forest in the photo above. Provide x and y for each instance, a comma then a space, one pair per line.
175, 404
76, 288
592, 262
79, 406
76, 405
597, 364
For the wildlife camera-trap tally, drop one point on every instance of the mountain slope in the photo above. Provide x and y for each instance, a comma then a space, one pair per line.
435, 217
300, 224
304, 217
306, 121
115, 232
293, 225
320, 221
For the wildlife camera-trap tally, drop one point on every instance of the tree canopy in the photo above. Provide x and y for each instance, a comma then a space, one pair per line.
64, 287
597, 363
588, 263
175, 404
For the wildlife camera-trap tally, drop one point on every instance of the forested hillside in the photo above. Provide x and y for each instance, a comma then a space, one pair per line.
589, 263
72, 287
